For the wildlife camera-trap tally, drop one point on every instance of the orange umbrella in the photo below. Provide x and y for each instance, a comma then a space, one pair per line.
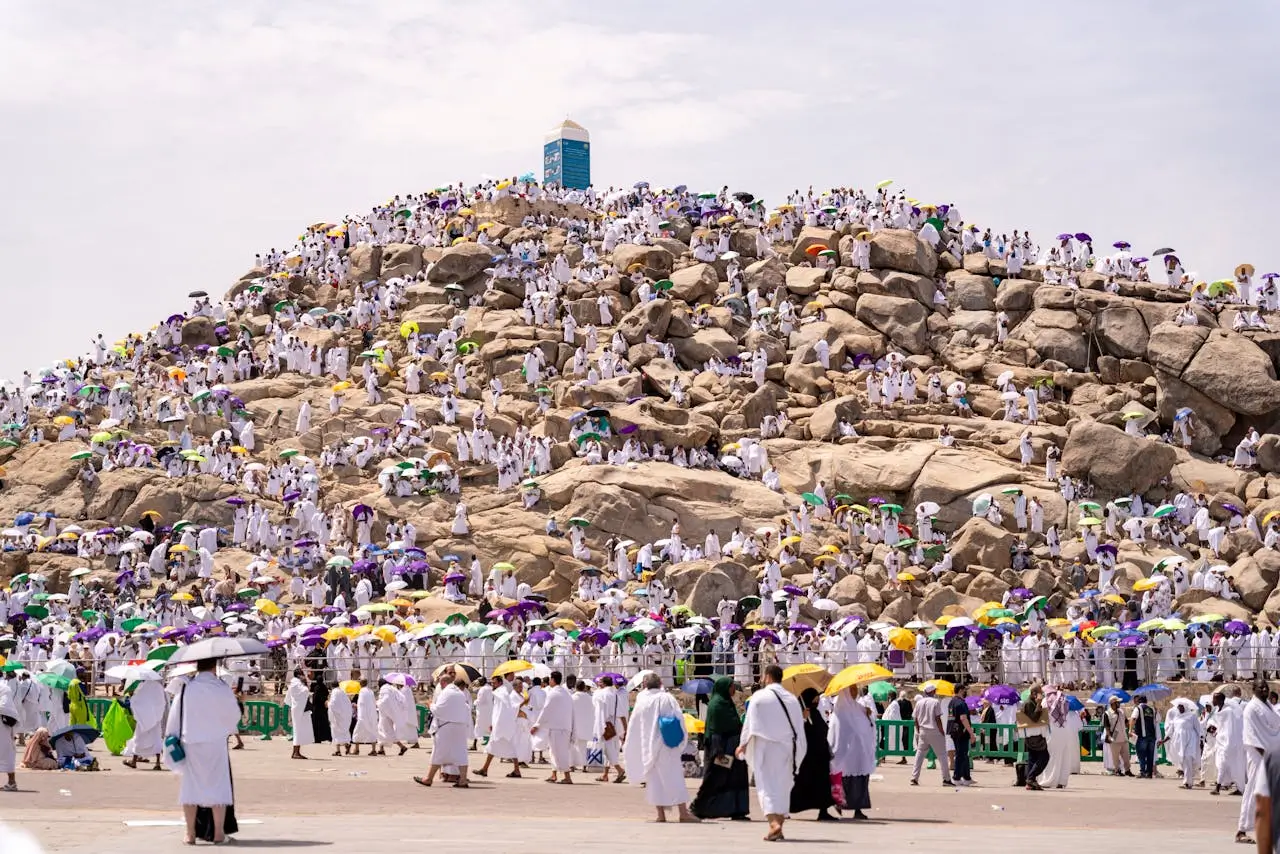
812, 251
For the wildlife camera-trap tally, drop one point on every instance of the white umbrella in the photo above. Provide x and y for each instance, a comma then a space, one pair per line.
959, 621
638, 679
824, 604
956, 389
1004, 378
981, 504
1009, 396
927, 508
218, 648
396, 585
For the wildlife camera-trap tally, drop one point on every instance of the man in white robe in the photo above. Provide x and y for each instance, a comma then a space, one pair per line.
484, 713
1261, 733
611, 715
366, 731
505, 742
450, 725
652, 761
773, 744
584, 717
390, 719
340, 714
148, 708
9, 717
297, 698
554, 723
204, 715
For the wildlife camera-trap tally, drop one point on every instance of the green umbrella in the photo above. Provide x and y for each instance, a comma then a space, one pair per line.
131, 624
891, 508
380, 608
906, 542
339, 560
882, 691
37, 611
280, 306
182, 523
579, 521
8, 443
370, 354
937, 636
102, 436
288, 453
82, 455
843, 498
53, 680
248, 593
162, 653
629, 634
40, 597
89, 614
812, 498
224, 350
664, 285
588, 437
201, 395
20, 578
937, 223
749, 601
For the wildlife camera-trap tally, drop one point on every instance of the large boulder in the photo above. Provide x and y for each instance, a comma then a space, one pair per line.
705, 344
902, 321
1211, 421
970, 292
1122, 331
696, 284
366, 263
647, 318
197, 331
765, 275
980, 543
401, 259
654, 261
1057, 335
459, 263
824, 423
1172, 347
897, 249
813, 236
1114, 461
1016, 294
804, 281
1235, 372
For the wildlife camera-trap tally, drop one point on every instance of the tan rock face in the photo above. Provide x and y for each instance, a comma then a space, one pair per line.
1115, 461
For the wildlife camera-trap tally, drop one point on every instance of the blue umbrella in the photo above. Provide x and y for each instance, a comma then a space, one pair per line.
1074, 704
1154, 692
86, 732
1103, 695
697, 686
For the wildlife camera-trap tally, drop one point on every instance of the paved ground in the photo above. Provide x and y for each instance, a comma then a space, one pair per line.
362, 804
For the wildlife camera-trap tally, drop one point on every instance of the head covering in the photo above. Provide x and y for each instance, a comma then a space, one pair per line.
809, 698
722, 716
1055, 701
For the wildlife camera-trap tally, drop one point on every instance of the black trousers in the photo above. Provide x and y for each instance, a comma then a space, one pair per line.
1037, 761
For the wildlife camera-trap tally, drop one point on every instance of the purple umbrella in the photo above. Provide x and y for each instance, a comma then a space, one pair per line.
236, 608
454, 576
799, 627
1108, 548
1083, 237
983, 636
731, 627
236, 501
302, 544
530, 605
361, 511
1067, 236
208, 624
172, 634
291, 495
765, 634
1236, 627
793, 590
616, 677
41, 641
973, 702
539, 637
630, 428
414, 551
1121, 244
958, 631
312, 640
275, 643
365, 565
330, 609
1132, 641
1232, 508
1021, 592
1001, 695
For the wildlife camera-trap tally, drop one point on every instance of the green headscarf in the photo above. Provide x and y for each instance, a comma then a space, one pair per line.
722, 715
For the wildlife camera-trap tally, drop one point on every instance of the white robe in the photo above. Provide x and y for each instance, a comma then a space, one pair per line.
340, 714
646, 755
206, 714
296, 698
773, 734
148, 708
366, 731
451, 724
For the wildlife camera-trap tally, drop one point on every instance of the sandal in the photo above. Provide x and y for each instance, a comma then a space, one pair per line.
9, 787
462, 785
422, 781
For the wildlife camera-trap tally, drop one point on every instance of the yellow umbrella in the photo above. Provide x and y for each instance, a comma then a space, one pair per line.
385, 633
790, 541
179, 548
798, 677
693, 725
466, 212
335, 633
438, 376
183, 597
906, 576
942, 686
402, 603
1113, 599
943, 620
266, 606
64, 420
342, 386
351, 686
828, 559
566, 624
857, 674
458, 240
903, 639
1144, 584
408, 328
830, 549
514, 666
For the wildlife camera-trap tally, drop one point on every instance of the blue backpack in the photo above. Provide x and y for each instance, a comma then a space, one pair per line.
672, 730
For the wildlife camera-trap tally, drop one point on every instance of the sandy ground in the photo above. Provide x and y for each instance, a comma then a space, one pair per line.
358, 804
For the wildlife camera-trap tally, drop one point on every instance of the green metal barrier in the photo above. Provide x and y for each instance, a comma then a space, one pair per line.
424, 719
98, 707
895, 738
996, 741
263, 717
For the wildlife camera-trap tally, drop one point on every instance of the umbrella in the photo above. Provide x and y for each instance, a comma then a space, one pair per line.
86, 732
801, 676
1153, 692
941, 686
1001, 695
857, 674
514, 666
694, 687
1103, 695
218, 647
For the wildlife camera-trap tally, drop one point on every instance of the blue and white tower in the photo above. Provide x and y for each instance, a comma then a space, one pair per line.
566, 156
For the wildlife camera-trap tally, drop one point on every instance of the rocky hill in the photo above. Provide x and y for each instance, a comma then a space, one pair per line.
1100, 350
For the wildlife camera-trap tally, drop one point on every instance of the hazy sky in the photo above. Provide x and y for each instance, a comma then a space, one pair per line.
151, 148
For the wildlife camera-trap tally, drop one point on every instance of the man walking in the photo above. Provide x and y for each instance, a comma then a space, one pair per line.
1144, 730
929, 734
960, 728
